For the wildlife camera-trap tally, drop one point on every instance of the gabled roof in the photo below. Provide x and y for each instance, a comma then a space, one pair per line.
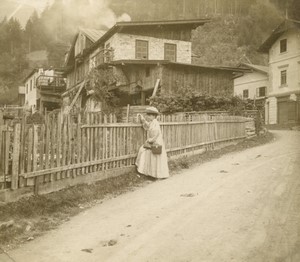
286, 25
259, 68
92, 34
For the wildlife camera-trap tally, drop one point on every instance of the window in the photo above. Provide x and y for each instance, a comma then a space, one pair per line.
245, 93
283, 77
141, 49
26, 88
261, 91
170, 52
30, 84
283, 45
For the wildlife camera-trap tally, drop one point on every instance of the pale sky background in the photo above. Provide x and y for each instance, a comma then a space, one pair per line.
21, 9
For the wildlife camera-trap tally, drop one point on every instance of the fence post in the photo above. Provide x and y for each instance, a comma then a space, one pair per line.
16, 156
1, 117
1, 155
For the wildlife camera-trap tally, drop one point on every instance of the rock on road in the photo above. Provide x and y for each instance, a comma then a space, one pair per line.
244, 206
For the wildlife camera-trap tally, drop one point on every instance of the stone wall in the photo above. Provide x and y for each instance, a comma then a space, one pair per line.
124, 47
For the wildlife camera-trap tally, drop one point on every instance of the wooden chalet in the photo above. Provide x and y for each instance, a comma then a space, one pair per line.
144, 56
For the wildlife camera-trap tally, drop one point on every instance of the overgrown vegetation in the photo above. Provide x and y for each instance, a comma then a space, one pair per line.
188, 100
101, 85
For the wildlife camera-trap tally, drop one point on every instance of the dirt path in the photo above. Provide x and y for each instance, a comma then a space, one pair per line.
244, 206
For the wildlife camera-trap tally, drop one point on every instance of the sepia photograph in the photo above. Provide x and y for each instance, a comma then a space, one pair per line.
149, 130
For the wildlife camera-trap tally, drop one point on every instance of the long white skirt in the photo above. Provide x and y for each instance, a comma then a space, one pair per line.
152, 165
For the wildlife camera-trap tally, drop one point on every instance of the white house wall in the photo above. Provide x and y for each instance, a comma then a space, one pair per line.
289, 60
250, 81
31, 94
124, 47
30, 91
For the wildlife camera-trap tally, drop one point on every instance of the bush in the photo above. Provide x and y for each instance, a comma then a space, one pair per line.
188, 100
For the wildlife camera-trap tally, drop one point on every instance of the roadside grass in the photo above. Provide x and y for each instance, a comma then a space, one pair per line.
187, 162
30, 217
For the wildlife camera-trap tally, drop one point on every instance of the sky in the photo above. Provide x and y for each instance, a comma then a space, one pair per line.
21, 9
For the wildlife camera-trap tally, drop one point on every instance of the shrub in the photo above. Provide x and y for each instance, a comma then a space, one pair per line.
188, 100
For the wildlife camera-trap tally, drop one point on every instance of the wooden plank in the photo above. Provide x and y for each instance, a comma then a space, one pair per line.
80, 165
47, 147
52, 155
155, 87
22, 151
84, 146
16, 157
29, 182
42, 148
73, 147
1, 117
6, 155
106, 136
69, 144
58, 126
64, 145
79, 143
93, 132
89, 142
1, 149
76, 97
35, 157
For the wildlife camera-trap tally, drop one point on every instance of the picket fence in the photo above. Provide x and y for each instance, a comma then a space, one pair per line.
65, 147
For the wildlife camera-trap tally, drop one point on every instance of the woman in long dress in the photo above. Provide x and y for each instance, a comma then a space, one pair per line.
149, 164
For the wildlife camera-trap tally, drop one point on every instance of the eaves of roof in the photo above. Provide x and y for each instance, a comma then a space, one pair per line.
286, 25
176, 64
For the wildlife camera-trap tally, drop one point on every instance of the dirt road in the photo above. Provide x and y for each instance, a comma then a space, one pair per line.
244, 206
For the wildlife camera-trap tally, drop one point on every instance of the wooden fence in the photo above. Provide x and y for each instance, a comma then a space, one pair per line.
67, 147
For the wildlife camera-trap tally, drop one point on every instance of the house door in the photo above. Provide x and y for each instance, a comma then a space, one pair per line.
282, 108
287, 112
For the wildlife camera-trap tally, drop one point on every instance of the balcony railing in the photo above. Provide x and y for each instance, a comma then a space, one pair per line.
51, 84
103, 56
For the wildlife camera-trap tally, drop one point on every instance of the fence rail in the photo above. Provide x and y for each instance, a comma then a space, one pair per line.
67, 147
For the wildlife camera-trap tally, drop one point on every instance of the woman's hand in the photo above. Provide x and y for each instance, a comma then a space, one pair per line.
140, 117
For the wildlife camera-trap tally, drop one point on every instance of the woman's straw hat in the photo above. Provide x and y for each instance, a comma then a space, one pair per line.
151, 110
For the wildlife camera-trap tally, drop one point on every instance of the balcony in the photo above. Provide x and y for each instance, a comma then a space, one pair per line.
49, 91
103, 56
52, 85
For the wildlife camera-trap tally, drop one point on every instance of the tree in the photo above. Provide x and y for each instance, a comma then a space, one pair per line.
35, 33
294, 10
227, 39
14, 34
